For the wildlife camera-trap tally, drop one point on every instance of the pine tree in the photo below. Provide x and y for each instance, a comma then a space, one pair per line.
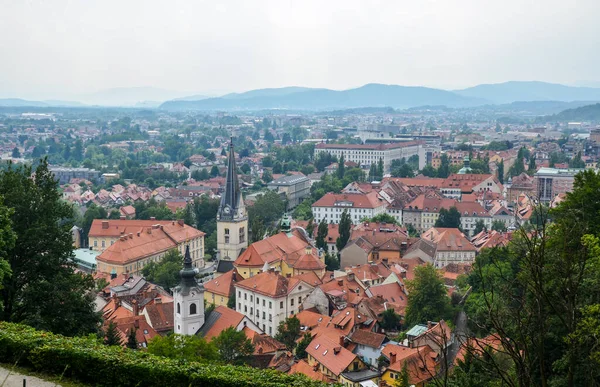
111, 336
132, 342
341, 167
501, 172
302, 345
380, 169
373, 172
404, 381
310, 227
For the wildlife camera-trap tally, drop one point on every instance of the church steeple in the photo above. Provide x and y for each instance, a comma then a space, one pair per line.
232, 205
188, 299
188, 273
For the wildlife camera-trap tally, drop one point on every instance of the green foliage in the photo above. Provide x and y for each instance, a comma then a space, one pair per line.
16, 154
389, 320
498, 145
152, 209
498, 225
288, 332
111, 336
577, 162
332, 262
448, 218
303, 211
444, 169
166, 271
427, 297
267, 177
183, 347
479, 227
403, 380
341, 167
231, 302
92, 212
383, 218
132, 342
302, 345
43, 290
86, 359
233, 346
501, 172
268, 207
344, 230
322, 231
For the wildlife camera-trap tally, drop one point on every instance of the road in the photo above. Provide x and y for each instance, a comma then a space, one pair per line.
12, 379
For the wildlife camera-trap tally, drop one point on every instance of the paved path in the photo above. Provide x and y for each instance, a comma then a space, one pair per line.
16, 380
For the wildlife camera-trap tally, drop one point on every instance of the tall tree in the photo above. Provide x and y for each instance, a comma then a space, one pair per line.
322, 231
44, 291
380, 169
344, 230
427, 296
111, 336
302, 345
501, 171
166, 271
373, 172
233, 345
310, 227
448, 218
444, 169
390, 319
16, 154
288, 332
132, 342
341, 167
183, 347
479, 227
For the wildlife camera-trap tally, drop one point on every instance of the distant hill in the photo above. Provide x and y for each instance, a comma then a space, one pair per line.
501, 93
13, 102
129, 96
372, 95
584, 113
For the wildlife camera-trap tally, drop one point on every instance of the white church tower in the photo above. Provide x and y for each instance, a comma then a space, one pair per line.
188, 300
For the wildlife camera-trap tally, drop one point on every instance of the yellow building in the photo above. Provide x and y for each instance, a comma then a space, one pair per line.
333, 360
218, 290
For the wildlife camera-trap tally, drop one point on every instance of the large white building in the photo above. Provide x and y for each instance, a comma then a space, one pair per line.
269, 298
331, 206
368, 154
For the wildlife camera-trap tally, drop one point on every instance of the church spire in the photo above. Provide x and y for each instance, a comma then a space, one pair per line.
188, 273
231, 198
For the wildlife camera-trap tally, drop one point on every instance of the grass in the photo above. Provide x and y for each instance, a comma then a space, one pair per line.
59, 380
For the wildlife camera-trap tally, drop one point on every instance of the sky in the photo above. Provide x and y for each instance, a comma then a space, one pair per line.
69, 48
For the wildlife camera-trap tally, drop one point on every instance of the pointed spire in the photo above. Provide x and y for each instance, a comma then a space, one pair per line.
230, 200
188, 274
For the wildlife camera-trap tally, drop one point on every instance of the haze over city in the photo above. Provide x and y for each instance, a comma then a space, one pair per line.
70, 49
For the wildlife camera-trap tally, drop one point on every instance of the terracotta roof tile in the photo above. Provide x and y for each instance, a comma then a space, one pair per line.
368, 200
330, 354
223, 285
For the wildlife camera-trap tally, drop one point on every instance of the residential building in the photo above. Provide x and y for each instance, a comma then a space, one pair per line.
232, 219
269, 298
295, 188
359, 206
368, 154
423, 212
136, 247
332, 359
219, 290
518, 185
451, 246
458, 184
470, 214
368, 345
64, 174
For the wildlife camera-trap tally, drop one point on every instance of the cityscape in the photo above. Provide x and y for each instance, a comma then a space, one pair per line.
433, 230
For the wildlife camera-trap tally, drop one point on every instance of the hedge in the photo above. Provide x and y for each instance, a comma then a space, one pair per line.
89, 361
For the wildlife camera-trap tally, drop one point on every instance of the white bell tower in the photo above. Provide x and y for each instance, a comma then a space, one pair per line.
188, 300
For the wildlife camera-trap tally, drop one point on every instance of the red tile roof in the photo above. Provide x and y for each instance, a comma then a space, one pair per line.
369, 200
223, 285
228, 318
448, 239
330, 354
288, 246
271, 284
160, 316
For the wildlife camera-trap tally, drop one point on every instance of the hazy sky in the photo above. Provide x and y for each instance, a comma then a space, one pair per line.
57, 48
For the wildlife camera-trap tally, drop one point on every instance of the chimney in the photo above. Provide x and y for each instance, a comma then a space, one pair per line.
135, 307
149, 230
180, 222
104, 224
158, 300
337, 350
351, 276
385, 261
152, 218
122, 217
342, 342
288, 275
340, 282
429, 325
136, 323
130, 235
392, 358
138, 233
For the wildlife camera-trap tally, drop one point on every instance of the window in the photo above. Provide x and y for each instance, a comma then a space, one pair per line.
95, 243
281, 304
270, 330
264, 302
242, 234
239, 292
270, 317
239, 306
251, 311
193, 308
292, 302
251, 298
263, 327
299, 300
270, 305
226, 231
178, 308
257, 300
245, 309
226, 238
103, 244
245, 296
264, 315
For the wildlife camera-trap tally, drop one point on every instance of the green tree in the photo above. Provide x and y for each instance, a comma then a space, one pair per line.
403, 380
501, 171
577, 162
444, 169
302, 345
166, 271
427, 297
498, 225
43, 291
373, 172
310, 227
341, 167
345, 227
233, 346
268, 207
111, 336
404, 170
16, 154
448, 218
332, 262
231, 301
288, 332
184, 347
257, 228
429, 171
132, 342
389, 320
214, 171
303, 211
383, 218
479, 227
322, 232
267, 177
380, 169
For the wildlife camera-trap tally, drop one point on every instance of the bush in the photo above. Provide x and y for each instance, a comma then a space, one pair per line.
88, 360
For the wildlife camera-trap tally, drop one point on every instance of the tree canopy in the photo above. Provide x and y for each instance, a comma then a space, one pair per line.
427, 297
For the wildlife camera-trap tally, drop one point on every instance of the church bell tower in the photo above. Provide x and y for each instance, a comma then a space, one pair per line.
188, 300
232, 219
